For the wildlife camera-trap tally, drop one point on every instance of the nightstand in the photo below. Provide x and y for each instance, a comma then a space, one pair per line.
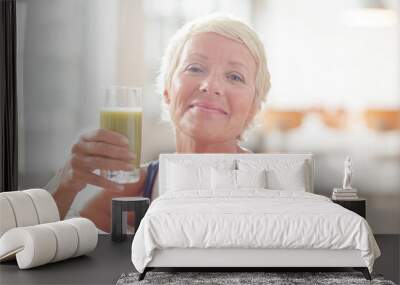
120, 206
358, 206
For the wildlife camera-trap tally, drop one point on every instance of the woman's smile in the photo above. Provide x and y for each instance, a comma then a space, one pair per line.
208, 108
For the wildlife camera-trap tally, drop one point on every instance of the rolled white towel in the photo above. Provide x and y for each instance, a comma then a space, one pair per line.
40, 244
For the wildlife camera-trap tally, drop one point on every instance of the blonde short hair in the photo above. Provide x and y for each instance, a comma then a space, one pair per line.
223, 25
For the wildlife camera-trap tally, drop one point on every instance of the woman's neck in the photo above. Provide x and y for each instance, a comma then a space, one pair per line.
186, 144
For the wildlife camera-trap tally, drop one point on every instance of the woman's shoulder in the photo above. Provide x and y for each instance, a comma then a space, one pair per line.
151, 175
148, 163
148, 168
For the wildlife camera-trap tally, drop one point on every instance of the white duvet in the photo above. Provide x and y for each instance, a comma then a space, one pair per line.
252, 218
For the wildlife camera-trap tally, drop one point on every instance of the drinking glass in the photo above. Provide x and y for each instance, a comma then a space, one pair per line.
122, 113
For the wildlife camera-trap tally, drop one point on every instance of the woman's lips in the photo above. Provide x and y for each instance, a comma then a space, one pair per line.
208, 108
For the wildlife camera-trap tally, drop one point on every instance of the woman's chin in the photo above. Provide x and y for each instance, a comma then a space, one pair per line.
204, 127
204, 132
204, 120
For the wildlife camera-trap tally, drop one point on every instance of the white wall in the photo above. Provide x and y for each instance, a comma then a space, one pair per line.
65, 57
327, 61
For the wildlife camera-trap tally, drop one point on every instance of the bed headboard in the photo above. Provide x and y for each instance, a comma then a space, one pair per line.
201, 158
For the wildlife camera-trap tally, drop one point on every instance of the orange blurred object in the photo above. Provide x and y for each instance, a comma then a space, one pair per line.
282, 120
335, 119
382, 119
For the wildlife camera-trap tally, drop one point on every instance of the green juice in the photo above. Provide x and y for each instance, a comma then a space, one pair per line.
128, 122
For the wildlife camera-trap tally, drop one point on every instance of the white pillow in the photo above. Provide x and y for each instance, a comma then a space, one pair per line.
281, 174
251, 178
289, 179
188, 177
223, 179
236, 179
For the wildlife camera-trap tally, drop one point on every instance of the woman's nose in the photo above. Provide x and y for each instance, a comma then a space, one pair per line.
211, 84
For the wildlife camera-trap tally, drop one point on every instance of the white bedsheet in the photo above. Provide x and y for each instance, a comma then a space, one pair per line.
251, 218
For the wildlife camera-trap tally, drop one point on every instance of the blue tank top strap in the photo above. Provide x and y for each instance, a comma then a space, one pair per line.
152, 170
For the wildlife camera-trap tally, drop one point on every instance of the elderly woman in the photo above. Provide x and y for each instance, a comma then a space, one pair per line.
213, 78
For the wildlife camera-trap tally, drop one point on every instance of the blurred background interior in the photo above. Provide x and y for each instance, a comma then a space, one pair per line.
335, 70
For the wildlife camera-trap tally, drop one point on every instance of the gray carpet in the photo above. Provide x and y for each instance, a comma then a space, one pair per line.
269, 278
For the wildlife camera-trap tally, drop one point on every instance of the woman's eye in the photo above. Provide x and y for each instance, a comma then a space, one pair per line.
194, 68
236, 77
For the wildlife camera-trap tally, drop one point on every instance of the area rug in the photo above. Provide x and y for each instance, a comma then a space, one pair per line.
269, 278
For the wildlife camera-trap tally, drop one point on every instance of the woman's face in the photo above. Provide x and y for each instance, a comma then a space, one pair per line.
213, 89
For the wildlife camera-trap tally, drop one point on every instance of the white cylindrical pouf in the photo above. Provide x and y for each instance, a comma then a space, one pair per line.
34, 245
45, 205
87, 234
23, 208
7, 218
67, 239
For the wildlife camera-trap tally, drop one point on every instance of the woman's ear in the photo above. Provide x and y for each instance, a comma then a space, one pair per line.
167, 99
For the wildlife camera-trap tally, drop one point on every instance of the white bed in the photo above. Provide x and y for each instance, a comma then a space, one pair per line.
202, 220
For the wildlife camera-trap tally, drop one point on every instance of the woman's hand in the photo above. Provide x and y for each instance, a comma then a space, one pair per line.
99, 149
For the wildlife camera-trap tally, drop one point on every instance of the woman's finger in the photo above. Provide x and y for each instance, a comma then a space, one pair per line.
99, 181
103, 149
102, 135
89, 163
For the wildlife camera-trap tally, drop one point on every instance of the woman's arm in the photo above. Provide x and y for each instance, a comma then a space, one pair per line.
64, 198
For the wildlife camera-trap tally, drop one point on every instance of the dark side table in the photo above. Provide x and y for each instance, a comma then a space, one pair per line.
120, 207
358, 205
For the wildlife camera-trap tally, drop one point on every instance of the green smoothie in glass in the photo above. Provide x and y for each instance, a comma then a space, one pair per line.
122, 113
